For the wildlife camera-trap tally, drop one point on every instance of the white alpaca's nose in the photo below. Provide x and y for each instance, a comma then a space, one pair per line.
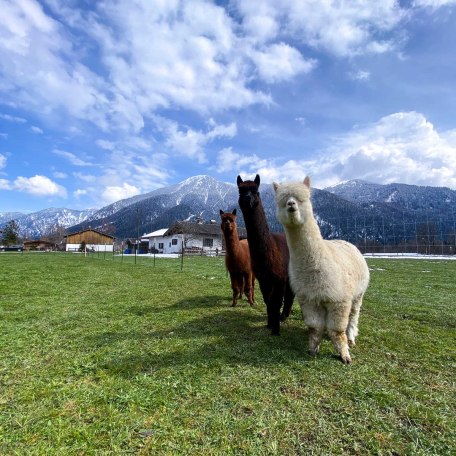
291, 205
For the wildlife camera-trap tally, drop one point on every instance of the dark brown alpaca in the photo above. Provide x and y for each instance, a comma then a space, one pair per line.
268, 253
237, 259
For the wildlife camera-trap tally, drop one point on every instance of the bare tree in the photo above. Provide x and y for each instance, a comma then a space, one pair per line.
56, 236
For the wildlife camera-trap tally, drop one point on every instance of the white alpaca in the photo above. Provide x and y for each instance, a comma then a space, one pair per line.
328, 277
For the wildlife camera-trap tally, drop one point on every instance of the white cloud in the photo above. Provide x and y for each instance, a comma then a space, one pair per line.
190, 55
90, 178
360, 75
40, 68
125, 173
36, 130
2, 161
60, 175
14, 119
196, 60
402, 147
193, 55
5, 185
433, 3
281, 62
112, 194
228, 160
107, 145
79, 192
145, 171
72, 158
189, 142
39, 186
341, 28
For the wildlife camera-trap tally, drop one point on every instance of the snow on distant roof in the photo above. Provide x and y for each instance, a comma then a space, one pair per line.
160, 232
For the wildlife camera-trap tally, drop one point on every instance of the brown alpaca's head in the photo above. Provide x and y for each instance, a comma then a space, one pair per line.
249, 196
228, 224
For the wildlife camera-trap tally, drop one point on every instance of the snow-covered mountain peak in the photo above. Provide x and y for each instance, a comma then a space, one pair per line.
42, 222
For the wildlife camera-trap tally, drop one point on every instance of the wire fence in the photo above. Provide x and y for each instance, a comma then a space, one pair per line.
177, 261
423, 235
373, 236
420, 236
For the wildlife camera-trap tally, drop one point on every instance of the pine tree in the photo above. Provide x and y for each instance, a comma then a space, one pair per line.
10, 233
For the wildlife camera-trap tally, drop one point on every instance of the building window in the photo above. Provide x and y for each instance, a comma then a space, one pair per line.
160, 245
174, 241
207, 242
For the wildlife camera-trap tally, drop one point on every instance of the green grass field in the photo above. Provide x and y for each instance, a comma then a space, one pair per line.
107, 357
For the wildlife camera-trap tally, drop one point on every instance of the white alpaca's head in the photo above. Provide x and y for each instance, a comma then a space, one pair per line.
293, 202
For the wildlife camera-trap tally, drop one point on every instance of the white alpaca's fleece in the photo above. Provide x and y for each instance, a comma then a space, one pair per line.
328, 277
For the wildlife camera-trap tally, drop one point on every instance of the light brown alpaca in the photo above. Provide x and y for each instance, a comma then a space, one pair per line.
328, 277
237, 259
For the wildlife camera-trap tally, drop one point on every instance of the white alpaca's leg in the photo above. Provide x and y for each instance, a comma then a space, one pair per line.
314, 317
339, 339
352, 328
336, 323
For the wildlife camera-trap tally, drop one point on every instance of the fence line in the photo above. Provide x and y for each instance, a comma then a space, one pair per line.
421, 236
425, 235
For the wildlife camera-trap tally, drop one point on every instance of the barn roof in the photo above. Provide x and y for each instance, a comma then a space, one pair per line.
194, 228
155, 233
92, 230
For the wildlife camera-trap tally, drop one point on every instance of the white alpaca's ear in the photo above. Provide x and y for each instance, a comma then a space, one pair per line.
307, 181
276, 186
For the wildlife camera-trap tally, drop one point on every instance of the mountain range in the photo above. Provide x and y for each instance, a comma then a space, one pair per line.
350, 210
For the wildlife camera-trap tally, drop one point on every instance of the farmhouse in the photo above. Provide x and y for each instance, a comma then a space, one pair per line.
93, 239
193, 236
156, 241
39, 244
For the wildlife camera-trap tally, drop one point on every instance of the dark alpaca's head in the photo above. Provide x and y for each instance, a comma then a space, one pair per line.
249, 196
228, 224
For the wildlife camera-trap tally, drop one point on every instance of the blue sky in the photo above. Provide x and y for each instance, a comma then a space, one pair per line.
104, 100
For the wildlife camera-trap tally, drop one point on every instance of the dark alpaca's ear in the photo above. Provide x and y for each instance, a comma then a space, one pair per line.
221, 212
234, 212
239, 180
257, 180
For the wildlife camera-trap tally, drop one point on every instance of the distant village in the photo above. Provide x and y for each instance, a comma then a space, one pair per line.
197, 237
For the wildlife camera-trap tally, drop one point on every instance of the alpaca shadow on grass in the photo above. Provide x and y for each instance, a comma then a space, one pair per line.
215, 334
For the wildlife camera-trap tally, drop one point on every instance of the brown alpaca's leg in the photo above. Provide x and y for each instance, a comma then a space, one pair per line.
248, 281
236, 286
253, 288
241, 285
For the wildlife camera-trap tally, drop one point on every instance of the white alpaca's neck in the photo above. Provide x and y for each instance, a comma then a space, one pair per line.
306, 238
